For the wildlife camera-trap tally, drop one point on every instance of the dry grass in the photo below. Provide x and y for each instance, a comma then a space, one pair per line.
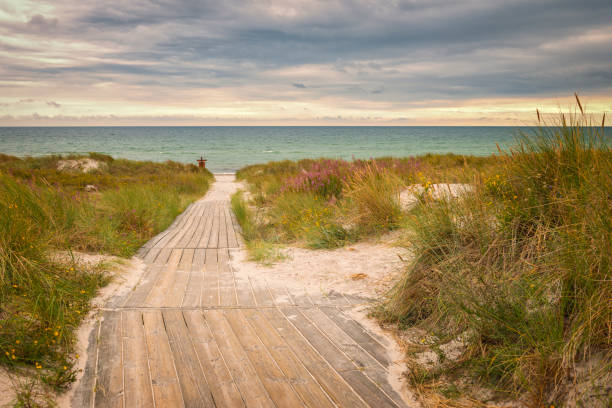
43, 210
522, 267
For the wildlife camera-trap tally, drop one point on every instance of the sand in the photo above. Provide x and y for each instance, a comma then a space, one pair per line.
127, 274
409, 196
365, 270
84, 165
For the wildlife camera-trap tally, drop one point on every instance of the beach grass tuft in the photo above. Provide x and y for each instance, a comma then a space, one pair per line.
45, 211
519, 271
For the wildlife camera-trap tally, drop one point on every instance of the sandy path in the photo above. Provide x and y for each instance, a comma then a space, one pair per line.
198, 325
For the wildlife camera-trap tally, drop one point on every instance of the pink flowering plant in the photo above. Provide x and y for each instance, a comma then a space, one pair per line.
326, 177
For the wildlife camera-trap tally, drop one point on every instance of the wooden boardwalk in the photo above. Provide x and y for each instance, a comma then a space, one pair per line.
193, 333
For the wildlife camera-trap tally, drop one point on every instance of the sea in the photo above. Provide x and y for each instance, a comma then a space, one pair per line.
228, 149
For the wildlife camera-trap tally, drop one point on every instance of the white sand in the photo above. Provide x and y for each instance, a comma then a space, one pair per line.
409, 196
84, 165
366, 269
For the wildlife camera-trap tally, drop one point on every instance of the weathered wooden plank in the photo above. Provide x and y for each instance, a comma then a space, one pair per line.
213, 241
210, 215
175, 257
261, 292
278, 386
193, 382
280, 296
159, 291
174, 229
369, 365
140, 293
304, 384
175, 293
197, 235
186, 258
193, 293
358, 334
210, 295
339, 391
191, 229
245, 377
227, 289
199, 257
183, 230
232, 239
109, 385
339, 338
151, 255
136, 378
222, 227
84, 393
300, 297
163, 256
244, 293
347, 368
164, 381
222, 385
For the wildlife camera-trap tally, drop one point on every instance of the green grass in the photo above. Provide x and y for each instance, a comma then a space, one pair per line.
42, 211
522, 267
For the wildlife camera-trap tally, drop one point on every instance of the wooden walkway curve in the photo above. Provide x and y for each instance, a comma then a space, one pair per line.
193, 333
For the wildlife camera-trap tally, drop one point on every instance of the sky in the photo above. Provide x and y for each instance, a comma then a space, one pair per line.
301, 62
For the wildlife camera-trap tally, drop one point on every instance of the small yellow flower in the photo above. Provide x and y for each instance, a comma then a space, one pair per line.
56, 333
82, 291
17, 341
65, 368
76, 355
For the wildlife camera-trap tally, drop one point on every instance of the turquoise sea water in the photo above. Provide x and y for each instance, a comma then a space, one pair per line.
230, 148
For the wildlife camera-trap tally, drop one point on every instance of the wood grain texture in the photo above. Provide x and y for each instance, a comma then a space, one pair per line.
253, 392
109, 387
164, 380
196, 332
138, 391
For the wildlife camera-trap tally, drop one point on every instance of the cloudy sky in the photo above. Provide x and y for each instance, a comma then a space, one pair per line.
292, 62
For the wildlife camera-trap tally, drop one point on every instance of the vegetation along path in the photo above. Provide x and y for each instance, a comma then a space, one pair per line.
194, 333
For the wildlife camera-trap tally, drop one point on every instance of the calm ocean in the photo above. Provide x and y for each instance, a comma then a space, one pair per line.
230, 148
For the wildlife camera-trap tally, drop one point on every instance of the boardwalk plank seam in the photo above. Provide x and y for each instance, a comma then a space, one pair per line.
189, 279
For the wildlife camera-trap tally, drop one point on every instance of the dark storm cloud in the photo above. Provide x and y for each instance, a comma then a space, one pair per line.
397, 50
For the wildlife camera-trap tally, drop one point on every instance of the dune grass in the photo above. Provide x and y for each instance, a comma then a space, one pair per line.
43, 211
327, 203
520, 271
